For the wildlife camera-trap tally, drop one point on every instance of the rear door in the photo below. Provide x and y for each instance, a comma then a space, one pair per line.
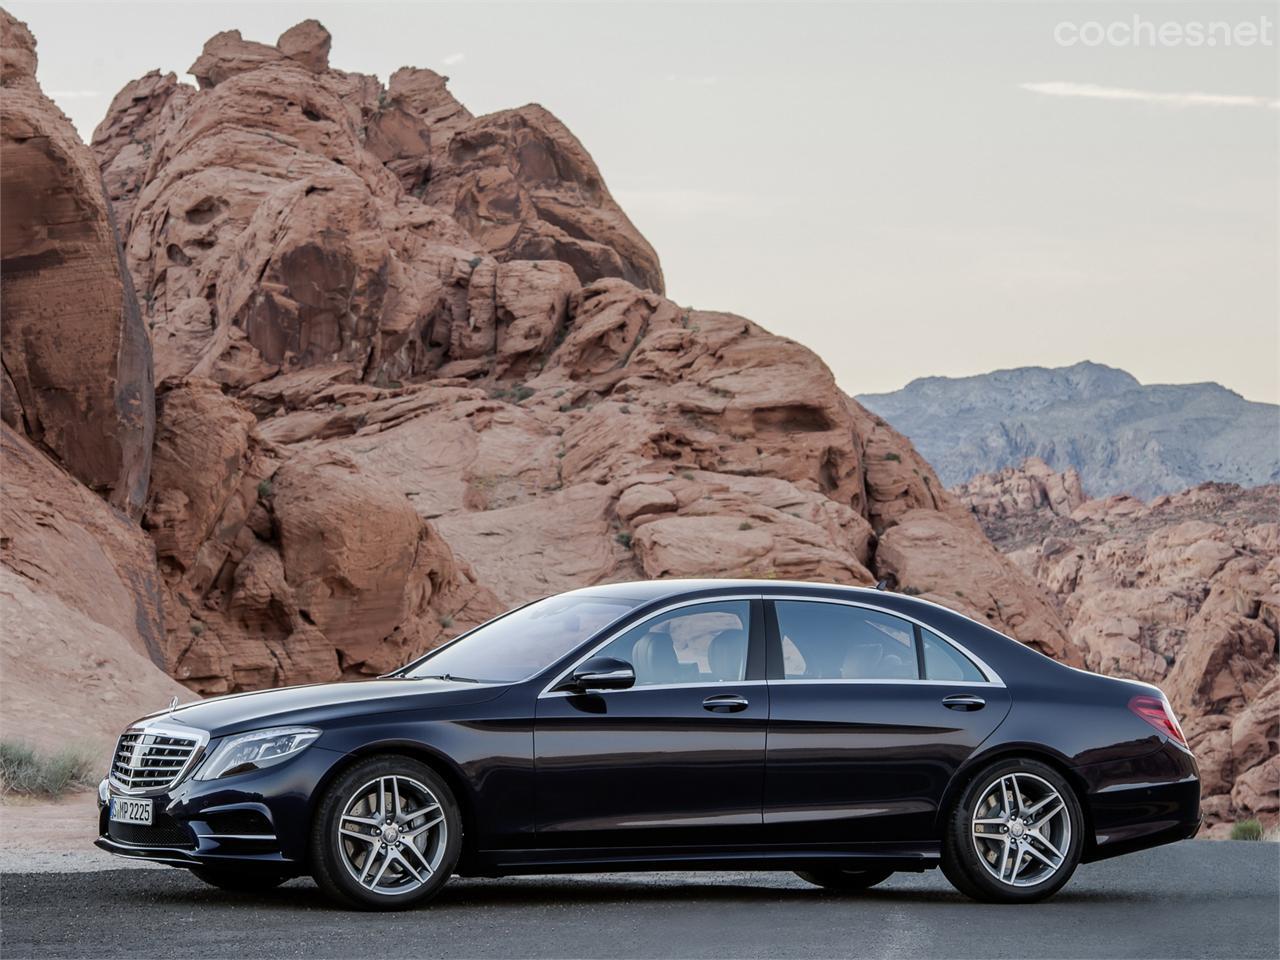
870, 716
677, 759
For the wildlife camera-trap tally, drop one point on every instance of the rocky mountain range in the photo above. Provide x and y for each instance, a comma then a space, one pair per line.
1182, 592
1121, 436
304, 373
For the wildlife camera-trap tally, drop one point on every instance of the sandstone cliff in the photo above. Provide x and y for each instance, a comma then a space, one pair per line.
77, 361
79, 590
1183, 592
416, 365
413, 366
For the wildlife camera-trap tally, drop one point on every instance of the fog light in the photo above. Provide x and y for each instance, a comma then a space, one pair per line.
104, 792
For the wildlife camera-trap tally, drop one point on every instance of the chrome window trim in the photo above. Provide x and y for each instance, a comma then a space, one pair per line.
161, 728
900, 681
993, 678
548, 690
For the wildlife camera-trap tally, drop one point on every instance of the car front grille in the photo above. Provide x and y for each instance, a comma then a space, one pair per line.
148, 761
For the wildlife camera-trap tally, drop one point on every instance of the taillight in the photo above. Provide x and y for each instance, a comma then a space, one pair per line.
1157, 712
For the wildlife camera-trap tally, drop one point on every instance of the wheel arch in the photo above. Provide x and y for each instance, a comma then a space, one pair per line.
423, 753
1011, 751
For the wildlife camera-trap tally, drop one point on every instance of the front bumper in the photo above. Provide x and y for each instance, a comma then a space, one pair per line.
261, 818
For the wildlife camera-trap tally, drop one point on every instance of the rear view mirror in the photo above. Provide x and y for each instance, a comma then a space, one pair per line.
604, 673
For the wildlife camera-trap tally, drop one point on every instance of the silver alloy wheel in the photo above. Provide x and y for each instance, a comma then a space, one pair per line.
1021, 829
392, 835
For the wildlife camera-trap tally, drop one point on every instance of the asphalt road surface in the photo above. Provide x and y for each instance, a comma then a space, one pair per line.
1194, 899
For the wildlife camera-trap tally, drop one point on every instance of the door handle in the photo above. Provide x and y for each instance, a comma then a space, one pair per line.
964, 701
725, 703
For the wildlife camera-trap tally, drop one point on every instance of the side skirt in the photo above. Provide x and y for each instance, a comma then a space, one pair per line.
912, 857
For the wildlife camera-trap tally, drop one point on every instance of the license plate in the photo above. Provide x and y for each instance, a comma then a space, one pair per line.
126, 810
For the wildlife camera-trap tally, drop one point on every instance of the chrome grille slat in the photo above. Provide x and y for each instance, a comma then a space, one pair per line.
150, 761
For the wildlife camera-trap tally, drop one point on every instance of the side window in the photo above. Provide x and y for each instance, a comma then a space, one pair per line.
944, 662
705, 643
832, 641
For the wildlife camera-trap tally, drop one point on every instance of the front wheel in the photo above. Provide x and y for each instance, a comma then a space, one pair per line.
1016, 834
844, 881
387, 835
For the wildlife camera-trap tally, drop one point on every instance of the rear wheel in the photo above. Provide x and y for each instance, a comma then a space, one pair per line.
387, 835
845, 881
239, 881
1016, 834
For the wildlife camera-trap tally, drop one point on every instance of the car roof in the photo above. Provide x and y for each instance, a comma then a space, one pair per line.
647, 590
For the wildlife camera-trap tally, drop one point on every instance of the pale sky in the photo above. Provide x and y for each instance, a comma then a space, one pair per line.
910, 189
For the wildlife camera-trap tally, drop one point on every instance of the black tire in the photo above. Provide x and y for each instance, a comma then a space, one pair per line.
964, 866
239, 880
330, 863
844, 881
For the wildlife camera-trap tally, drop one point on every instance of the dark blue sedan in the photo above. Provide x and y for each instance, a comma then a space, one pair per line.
841, 733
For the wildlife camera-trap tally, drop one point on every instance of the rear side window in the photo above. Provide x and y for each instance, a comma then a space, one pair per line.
831, 641
944, 662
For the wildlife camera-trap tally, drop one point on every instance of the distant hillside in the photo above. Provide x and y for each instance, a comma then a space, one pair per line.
1120, 435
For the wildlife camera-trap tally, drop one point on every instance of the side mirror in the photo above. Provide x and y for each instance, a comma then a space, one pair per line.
604, 673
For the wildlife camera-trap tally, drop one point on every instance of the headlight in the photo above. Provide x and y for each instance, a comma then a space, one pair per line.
253, 751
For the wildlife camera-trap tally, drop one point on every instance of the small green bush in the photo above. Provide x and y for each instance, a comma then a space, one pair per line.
28, 770
264, 489
746, 525
517, 394
1246, 830
624, 539
894, 457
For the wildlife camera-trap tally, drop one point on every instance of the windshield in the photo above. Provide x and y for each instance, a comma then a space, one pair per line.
524, 642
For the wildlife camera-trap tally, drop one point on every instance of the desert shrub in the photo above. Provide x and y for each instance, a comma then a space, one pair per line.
28, 770
624, 539
1246, 830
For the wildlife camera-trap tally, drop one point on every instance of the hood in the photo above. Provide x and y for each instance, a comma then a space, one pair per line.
320, 702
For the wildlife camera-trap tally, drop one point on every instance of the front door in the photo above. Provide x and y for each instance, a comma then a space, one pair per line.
677, 759
871, 717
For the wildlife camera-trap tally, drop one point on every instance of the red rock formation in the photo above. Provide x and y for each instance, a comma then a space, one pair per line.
124, 148
394, 290
79, 591
77, 363
1023, 490
80, 604
526, 189
1183, 592
285, 569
